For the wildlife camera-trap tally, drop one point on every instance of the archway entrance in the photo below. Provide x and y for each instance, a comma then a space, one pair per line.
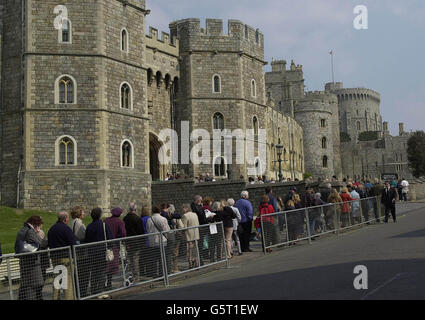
156, 169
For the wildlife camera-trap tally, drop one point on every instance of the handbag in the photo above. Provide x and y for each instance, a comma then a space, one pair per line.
109, 252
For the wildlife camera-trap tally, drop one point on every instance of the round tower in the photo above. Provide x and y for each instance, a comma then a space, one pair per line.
315, 114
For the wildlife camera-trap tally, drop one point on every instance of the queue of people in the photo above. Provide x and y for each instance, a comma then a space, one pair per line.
198, 241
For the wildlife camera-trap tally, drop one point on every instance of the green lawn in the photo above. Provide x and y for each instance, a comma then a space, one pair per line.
12, 220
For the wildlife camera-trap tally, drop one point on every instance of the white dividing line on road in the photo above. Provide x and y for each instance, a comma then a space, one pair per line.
397, 276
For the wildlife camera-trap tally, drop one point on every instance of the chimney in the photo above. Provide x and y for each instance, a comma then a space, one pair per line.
401, 128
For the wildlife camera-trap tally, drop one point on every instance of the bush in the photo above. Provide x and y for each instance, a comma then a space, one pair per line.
368, 136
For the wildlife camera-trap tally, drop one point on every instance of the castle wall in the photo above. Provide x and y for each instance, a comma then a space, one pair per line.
96, 121
13, 34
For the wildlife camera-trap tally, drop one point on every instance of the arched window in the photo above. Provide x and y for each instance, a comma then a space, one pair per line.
149, 76
158, 79
124, 40
358, 126
176, 85
255, 127
253, 88
216, 84
66, 90
167, 80
324, 143
257, 36
219, 167
127, 156
65, 31
218, 121
325, 162
65, 151
126, 96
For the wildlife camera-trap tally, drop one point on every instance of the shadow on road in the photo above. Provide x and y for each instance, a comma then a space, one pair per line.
387, 279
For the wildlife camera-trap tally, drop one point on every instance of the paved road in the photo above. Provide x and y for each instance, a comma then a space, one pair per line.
394, 254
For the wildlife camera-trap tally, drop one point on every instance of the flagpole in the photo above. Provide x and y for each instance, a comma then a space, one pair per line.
332, 64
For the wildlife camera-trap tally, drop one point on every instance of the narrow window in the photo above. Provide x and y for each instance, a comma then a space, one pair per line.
323, 123
126, 153
253, 88
66, 90
66, 29
255, 126
216, 84
218, 120
358, 126
124, 40
125, 96
325, 162
219, 167
324, 143
66, 151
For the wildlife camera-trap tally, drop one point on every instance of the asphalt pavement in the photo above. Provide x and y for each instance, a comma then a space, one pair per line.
393, 253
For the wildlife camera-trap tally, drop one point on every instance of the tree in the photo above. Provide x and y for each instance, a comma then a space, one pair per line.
416, 153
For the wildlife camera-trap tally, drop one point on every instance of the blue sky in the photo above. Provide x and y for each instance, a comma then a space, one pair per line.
388, 57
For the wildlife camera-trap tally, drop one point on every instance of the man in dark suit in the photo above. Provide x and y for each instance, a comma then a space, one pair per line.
388, 199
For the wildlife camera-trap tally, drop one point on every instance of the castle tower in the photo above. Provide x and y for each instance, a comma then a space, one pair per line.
75, 117
222, 84
315, 115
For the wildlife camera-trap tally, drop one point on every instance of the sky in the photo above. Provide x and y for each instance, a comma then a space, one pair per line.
388, 57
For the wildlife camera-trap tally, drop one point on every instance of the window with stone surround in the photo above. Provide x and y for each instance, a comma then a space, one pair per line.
65, 90
216, 84
218, 121
65, 151
324, 143
325, 161
124, 40
127, 155
65, 32
253, 88
219, 167
323, 123
126, 96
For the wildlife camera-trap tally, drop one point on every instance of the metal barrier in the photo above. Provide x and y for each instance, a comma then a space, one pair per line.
288, 227
83, 272
41, 275
144, 259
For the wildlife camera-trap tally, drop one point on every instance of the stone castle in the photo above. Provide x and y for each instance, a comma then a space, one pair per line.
83, 105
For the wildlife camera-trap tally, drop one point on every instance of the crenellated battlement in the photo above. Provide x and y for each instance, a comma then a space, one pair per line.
322, 96
166, 43
240, 37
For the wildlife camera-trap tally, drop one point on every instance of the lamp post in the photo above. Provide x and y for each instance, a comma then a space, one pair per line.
279, 148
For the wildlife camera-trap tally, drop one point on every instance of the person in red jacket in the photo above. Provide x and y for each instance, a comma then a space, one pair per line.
270, 237
346, 207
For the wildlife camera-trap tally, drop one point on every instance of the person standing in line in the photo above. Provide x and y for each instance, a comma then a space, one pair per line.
167, 213
355, 215
97, 231
60, 236
247, 215
405, 189
144, 244
376, 192
236, 221
79, 230
346, 207
335, 216
400, 190
265, 208
190, 220
226, 215
155, 225
117, 227
133, 227
197, 208
32, 269
388, 199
